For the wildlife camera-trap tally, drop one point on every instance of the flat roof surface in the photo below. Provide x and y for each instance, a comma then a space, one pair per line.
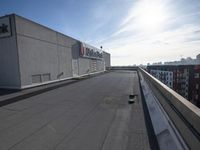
91, 114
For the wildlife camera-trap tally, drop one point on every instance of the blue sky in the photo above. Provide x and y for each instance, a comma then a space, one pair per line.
133, 31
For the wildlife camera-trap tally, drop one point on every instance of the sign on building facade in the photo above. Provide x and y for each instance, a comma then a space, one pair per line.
88, 51
5, 28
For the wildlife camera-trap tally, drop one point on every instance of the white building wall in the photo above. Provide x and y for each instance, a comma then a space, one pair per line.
42, 51
9, 68
100, 65
35, 55
106, 57
84, 66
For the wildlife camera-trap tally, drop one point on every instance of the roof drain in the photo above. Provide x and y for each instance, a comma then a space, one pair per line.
132, 98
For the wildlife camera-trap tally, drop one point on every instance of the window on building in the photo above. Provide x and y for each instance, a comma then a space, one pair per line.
186, 96
196, 75
197, 86
186, 84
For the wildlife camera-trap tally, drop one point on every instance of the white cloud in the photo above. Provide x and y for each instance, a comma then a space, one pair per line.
165, 46
129, 45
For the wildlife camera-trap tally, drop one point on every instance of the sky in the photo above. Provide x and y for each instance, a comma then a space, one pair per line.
132, 31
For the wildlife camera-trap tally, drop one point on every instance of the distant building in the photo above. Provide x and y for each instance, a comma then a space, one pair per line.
196, 85
185, 61
164, 76
184, 79
198, 57
157, 63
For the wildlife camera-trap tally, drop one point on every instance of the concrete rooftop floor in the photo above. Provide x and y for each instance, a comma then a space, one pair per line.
91, 114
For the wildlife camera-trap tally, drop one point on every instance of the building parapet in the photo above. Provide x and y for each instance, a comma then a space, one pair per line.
184, 115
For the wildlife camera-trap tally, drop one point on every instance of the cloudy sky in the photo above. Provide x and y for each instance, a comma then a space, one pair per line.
133, 31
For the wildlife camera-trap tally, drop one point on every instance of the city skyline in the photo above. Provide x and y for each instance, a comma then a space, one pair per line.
134, 32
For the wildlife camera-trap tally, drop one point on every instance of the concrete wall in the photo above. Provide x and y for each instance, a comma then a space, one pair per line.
42, 51
185, 115
106, 57
87, 66
84, 66
100, 65
9, 68
36, 55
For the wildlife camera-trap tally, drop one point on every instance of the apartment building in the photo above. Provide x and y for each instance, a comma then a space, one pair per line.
184, 79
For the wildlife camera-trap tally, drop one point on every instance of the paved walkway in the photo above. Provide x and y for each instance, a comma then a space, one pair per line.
91, 114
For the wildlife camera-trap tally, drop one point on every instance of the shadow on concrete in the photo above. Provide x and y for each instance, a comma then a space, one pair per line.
151, 134
7, 91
